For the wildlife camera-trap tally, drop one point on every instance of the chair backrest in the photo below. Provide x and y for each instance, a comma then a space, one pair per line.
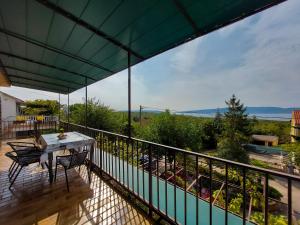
78, 158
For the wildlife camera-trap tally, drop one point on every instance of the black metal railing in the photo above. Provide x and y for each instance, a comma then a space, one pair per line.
25, 129
191, 188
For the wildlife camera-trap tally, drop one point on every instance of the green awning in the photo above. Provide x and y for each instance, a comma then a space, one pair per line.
62, 45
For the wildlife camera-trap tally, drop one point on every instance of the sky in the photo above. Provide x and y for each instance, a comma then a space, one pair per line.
257, 59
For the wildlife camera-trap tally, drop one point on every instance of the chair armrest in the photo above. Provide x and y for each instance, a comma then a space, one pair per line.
21, 153
20, 143
63, 156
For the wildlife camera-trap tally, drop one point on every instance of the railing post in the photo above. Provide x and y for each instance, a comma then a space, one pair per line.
0, 124
244, 195
0, 129
266, 195
35, 130
101, 137
290, 208
150, 180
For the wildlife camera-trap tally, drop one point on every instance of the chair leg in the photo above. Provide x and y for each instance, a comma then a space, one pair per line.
89, 173
13, 181
55, 172
13, 172
66, 174
11, 168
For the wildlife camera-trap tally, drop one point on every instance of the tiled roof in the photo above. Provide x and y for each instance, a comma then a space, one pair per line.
296, 117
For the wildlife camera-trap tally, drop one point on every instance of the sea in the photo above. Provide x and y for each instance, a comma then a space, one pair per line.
259, 116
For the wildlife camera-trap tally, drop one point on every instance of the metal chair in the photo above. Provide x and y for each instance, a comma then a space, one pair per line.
23, 154
76, 159
26, 147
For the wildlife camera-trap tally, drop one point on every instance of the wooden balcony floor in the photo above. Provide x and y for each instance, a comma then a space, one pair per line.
32, 200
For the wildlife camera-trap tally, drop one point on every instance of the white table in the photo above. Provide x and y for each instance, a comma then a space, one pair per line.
50, 143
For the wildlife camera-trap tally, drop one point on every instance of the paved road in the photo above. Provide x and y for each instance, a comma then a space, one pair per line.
281, 185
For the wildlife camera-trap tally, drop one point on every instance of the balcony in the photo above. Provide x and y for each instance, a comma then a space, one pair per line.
135, 181
169, 184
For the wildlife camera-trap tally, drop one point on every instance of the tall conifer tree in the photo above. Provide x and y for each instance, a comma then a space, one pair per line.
235, 133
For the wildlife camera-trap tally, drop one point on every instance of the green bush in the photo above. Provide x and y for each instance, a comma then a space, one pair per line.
258, 217
293, 147
41, 107
99, 116
259, 163
278, 128
180, 181
274, 193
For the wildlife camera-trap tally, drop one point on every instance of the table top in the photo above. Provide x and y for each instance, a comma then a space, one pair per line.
51, 140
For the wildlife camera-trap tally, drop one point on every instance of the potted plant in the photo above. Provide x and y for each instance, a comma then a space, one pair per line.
62, 134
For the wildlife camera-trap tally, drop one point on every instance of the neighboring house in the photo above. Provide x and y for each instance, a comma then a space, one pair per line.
267, 140
295, 126
9, 107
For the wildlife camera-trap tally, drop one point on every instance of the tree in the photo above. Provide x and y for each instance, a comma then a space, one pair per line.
235, 133
208, 135
41, 107
211, 131
99, 116
218, 123
293, 149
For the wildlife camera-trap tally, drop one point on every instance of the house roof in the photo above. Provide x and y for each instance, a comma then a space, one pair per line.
10, 96
296, 117
62, 46
268, 138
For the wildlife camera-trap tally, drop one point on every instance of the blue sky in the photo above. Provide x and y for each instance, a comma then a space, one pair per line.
258, 59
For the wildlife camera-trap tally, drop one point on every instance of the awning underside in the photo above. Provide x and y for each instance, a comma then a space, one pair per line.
59, 45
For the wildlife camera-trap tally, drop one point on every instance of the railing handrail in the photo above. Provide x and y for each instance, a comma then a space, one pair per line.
238, 164
31, 117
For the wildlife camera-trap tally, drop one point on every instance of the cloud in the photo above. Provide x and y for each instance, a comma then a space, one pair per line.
265, 73
113, 91
184, 59
28, 94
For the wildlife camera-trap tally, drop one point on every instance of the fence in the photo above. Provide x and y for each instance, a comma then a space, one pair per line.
24, 129
190, 188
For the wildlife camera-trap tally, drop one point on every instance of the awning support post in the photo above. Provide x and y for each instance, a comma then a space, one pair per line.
86, 104
129, 95
68, 110
58, 108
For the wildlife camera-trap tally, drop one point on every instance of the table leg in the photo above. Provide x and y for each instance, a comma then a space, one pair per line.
91, 161
50, 166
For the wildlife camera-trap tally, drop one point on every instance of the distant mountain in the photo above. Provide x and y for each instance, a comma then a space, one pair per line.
250, 110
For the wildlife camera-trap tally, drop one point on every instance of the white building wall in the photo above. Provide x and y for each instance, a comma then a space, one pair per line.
8, 106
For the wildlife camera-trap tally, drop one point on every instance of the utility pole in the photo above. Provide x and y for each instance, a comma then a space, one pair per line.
141, 107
